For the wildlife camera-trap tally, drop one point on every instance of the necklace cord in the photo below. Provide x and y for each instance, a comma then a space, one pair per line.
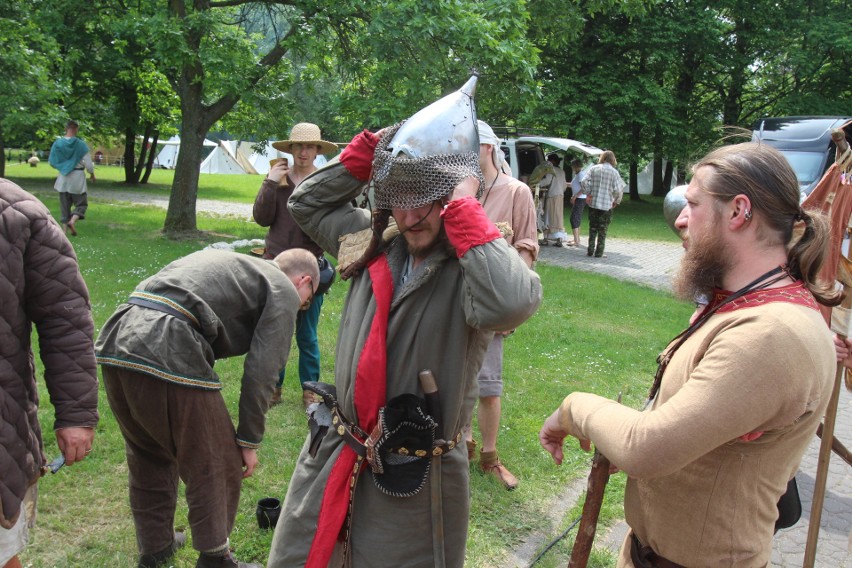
760, 283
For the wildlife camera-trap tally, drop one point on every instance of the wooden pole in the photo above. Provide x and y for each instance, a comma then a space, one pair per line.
844, 275
598, 478
822, 470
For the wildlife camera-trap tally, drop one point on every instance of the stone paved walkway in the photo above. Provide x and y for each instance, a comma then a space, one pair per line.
653, 264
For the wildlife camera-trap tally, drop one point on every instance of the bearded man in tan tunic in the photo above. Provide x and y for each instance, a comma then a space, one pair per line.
740, 393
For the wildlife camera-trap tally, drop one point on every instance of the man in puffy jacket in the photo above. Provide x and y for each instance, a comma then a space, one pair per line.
40, 283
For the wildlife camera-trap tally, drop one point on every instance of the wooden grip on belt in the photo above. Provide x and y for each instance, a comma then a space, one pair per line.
433, 401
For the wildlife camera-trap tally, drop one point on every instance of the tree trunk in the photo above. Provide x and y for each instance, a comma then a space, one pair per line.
634, 181
143, 153
658, 189
636, 145
181, 213
667, 177
155, 137
129, 155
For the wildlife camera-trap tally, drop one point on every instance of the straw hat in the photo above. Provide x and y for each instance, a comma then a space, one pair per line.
305, 133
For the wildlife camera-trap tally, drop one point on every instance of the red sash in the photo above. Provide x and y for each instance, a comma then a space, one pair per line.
794, 293
370, 394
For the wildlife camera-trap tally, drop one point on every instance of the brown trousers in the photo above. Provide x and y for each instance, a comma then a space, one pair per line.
170, 432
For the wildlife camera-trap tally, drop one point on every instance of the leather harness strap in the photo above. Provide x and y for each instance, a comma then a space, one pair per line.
353, 435
643, 556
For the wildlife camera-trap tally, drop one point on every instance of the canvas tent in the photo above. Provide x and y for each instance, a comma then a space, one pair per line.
228, 157
167, 158
645, 179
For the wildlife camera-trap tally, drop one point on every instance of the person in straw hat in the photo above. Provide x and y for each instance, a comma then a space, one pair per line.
420, 312
270, 210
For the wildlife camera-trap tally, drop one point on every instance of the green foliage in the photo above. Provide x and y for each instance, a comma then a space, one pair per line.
658, 79
29, 89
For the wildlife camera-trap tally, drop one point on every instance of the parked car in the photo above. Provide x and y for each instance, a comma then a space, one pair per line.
524, 153
806, 143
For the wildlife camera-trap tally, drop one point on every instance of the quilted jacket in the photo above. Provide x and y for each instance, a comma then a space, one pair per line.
40, 283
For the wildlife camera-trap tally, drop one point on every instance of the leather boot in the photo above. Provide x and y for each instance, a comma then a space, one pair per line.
490, 463
471, 449
226, 560
276, 397
163, 557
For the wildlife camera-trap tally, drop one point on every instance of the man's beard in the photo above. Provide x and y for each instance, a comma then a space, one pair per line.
441, 240
703, 267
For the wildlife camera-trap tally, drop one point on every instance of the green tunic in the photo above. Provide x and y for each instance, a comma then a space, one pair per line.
243, 305
441, 319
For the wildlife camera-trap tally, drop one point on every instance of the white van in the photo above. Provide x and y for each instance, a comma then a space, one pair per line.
526, 152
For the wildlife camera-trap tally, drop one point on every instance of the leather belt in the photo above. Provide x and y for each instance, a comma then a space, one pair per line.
644, 556
162, 308
79, 169
353, 435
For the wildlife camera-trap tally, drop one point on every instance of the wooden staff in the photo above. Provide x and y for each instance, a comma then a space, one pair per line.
836, 445
840, 325
598, 478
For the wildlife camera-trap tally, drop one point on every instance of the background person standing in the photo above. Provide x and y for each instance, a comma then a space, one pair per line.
270, 210
578, 199
554, 205
70, 155
507, 200
604, 189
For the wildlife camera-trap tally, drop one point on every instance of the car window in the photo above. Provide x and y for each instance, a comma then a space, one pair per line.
807, 165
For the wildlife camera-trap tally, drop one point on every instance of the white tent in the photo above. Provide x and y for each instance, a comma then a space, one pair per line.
645, 179
223, 160
167, 158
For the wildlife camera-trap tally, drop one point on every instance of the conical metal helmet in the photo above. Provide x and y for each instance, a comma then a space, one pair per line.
447, 126
427, 156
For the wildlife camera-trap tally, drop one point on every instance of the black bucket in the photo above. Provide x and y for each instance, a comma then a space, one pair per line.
268, 511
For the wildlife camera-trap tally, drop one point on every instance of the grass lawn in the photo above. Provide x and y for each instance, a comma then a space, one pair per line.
591, 333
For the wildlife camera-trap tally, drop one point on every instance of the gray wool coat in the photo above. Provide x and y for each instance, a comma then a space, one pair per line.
442, 319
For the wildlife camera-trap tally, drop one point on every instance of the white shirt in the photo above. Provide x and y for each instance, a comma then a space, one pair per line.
75, 181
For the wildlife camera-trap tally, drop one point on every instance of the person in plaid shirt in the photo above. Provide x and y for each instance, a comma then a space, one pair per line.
604, 188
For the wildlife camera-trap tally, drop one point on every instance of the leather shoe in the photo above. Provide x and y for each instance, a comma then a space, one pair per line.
491, 464
471, 449
276, 397
163, 557
226, 560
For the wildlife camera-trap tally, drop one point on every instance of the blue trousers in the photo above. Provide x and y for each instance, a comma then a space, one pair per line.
306, 340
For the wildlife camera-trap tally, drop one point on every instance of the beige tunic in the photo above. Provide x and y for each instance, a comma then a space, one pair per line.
511, 201
697, 492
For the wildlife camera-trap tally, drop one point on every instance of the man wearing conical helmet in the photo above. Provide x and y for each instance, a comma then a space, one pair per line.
380, 480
